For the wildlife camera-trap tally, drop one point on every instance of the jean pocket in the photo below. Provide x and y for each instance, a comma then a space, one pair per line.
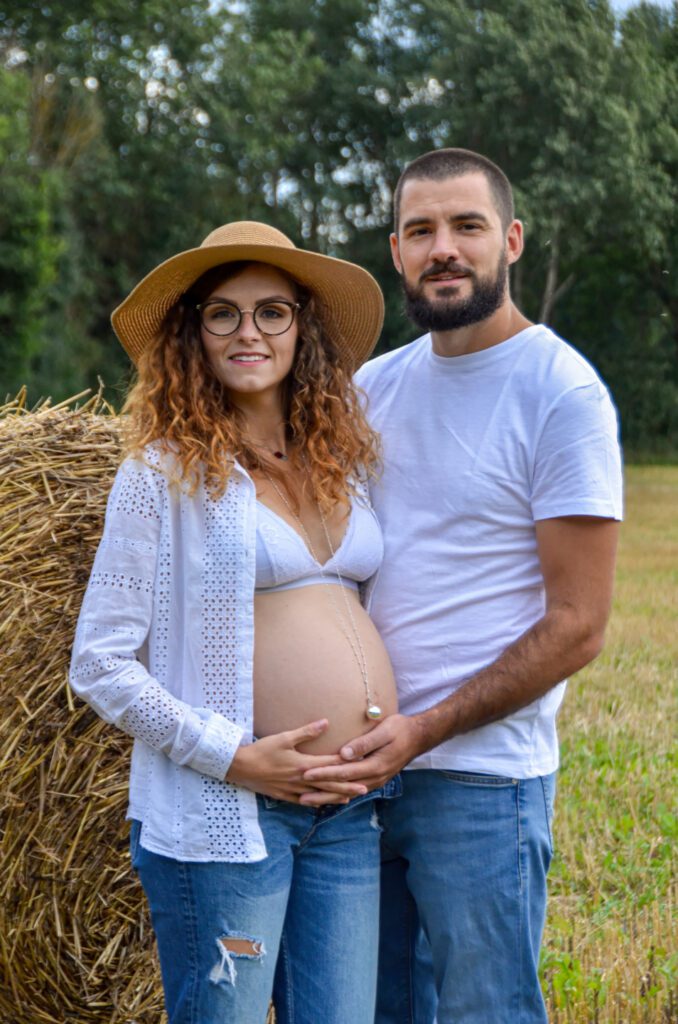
478, 779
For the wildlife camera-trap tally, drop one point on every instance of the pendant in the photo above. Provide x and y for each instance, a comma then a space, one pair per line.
374, 711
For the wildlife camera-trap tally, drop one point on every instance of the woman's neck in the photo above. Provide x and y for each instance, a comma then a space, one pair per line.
264, 423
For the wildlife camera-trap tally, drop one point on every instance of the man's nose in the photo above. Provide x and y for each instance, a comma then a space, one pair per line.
444, 245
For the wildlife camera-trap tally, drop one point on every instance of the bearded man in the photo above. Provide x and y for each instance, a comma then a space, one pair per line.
499, 502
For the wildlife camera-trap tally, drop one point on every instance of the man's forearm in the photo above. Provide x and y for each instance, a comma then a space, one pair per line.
557, 645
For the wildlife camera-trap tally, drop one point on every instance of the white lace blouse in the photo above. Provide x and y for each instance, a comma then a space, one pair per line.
164, 649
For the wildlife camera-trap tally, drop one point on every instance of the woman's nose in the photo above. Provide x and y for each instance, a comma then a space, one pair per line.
247, 328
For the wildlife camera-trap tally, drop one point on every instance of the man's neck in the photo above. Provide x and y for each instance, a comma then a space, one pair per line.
504, 324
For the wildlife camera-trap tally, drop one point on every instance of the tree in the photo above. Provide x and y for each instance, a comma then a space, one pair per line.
29, 245
146, 126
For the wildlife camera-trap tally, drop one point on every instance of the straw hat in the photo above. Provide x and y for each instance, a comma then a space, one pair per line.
351, 299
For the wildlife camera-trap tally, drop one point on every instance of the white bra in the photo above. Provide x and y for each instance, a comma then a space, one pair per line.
284, 562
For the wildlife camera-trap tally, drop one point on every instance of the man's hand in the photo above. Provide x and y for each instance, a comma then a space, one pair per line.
273, 766
372, 759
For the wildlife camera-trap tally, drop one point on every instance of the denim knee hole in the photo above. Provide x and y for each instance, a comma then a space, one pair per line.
231, 948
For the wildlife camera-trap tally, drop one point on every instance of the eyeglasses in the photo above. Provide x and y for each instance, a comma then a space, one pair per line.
224, 318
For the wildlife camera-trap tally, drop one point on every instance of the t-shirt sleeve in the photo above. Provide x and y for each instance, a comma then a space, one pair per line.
577, 464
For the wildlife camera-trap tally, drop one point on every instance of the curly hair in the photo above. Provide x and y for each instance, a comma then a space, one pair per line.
178, 401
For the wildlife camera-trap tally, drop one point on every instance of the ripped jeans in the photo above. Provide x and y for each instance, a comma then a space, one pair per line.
300, 926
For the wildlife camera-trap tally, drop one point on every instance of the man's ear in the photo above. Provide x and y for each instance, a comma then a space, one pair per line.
395, 252
515, 243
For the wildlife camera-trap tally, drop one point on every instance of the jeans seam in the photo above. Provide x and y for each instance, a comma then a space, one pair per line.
135, 835
289, 988
308, 836
521, 902
409, 959
405, 916
546, 814
411, 1004
188, 905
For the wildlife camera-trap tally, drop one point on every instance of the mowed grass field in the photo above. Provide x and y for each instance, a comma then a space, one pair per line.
610, 948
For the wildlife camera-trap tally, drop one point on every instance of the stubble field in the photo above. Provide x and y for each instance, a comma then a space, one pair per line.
610, 952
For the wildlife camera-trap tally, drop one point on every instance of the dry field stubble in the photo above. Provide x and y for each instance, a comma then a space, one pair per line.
74, 939
610, 951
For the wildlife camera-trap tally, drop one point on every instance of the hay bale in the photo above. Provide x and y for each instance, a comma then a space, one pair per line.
75, 942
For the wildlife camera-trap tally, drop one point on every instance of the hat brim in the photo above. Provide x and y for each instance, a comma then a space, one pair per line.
351, 299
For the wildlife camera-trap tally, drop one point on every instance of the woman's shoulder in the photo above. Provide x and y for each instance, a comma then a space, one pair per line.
159, 465
147, 476
153, 462
139, 486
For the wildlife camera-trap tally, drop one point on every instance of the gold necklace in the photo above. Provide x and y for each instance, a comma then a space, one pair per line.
372, 710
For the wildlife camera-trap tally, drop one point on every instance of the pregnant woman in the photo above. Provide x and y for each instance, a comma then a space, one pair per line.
222, 627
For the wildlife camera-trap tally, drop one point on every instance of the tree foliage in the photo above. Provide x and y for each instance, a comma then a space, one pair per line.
129, 131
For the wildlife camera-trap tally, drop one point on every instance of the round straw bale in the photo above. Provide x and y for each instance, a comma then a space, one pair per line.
75, 942
75, 938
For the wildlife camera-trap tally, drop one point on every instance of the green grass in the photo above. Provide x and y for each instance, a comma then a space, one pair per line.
610, 944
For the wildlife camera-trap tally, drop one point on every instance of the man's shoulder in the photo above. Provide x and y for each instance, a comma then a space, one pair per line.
555, 365
390, 364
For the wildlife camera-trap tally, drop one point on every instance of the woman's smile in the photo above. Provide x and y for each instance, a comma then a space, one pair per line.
248, 357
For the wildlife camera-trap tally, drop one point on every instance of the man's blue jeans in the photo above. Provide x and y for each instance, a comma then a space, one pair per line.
465, 859
312, 905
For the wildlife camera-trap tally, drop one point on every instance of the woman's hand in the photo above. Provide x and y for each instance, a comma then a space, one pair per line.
273, 766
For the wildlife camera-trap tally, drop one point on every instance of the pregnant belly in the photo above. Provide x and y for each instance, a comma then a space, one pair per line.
305, 669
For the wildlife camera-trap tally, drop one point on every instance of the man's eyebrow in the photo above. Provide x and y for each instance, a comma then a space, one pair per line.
414, 222
471, 215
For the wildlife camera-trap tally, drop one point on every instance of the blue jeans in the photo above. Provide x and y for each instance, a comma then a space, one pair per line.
465, 859
312, 906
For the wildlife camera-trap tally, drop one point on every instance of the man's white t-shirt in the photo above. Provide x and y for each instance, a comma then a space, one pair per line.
476, 448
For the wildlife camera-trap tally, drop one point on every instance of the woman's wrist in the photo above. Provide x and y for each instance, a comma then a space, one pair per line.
239, 770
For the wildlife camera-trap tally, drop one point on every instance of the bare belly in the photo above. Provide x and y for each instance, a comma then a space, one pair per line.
304, 668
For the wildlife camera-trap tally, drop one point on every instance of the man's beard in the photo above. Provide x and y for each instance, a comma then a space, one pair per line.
448, 314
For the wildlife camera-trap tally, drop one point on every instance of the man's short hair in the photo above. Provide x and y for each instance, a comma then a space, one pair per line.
451, 163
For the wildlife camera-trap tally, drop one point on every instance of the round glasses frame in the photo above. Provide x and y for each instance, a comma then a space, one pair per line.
264, 328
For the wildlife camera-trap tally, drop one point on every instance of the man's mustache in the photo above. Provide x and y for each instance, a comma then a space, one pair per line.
450, 267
